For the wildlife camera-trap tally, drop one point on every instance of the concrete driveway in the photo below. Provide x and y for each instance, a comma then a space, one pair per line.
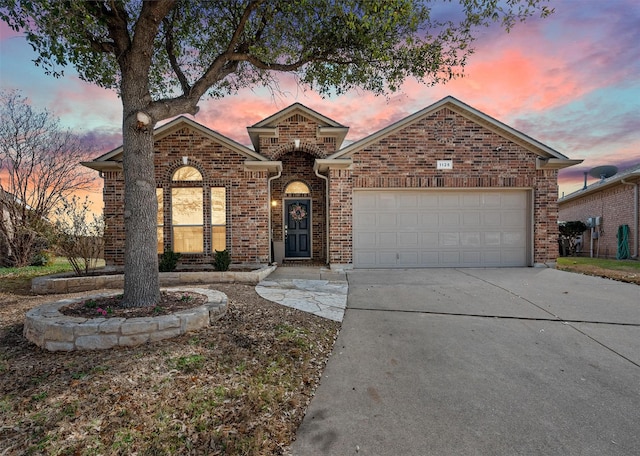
480, 362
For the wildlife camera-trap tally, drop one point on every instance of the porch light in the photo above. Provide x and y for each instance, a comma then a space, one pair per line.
296, 142
274, 203
185, 160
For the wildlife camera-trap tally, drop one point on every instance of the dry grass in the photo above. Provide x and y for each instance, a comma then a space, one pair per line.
621, 270
239, 387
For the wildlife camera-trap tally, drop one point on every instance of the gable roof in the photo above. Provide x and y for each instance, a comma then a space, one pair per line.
630, 173
550, 158
268, 126
112, 160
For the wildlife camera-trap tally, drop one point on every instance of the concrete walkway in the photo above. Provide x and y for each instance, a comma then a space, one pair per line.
316, 290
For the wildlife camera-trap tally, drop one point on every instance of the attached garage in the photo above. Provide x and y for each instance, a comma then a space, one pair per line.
441, 228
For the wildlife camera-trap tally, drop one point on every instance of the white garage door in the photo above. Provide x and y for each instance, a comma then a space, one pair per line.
436, 228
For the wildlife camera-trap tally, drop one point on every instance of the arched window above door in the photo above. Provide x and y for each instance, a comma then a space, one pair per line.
297, 188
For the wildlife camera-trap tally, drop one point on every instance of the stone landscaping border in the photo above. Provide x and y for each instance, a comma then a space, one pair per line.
59, 285
46, 327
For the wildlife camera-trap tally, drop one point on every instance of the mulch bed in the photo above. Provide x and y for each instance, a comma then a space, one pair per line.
110, 307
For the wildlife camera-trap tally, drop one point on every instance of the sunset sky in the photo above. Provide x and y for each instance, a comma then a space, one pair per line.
571, 81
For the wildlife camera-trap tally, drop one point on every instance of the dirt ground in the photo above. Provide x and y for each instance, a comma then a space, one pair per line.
240, 386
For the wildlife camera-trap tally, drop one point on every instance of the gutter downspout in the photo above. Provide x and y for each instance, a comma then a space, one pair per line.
269, 209
635, 217
326, 207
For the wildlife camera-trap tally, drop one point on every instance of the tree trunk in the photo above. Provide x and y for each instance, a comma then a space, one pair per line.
141, 279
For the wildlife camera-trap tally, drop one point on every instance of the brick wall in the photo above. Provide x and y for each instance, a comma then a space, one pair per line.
407, 159
246, 194
615, 206
299, 127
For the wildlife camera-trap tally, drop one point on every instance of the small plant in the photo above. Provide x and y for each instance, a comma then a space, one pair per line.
168, 261
221, 260
186, 298
91, 304
105, 312
158, 310
189, 363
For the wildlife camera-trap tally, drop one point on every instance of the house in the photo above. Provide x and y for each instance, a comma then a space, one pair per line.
447, 186
610, 203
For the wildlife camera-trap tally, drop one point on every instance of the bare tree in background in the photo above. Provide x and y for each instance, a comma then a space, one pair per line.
39, 165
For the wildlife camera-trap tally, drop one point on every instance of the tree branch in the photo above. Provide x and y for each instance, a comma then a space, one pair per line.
169, 47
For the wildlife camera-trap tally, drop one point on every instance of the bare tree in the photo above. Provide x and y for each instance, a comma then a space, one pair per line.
39, 165
79, 234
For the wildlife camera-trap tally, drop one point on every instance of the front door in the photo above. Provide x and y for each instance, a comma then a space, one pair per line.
297, 229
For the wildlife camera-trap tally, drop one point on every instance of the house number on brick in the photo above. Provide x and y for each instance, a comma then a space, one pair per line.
444, 164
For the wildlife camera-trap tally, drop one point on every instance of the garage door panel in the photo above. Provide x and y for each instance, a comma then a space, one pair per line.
408, 258
367, 202
449, 219
388, 259
408, 220
433, 228
365, 220
407, 200
429, 220
387, 240
408, 240
366, 259
449, 200
387, 202
471, 200
492, 238
366, 240
449, 239
471, 239
471, 218
491, 200
491, 218
471, 258
450, 258
513, 200
428, 200
430, 239
512, 218
387, 219
512, 239
513, 257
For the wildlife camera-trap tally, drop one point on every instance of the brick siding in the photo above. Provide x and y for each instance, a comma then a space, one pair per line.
402, 159
615, 206
407, 159
246, 193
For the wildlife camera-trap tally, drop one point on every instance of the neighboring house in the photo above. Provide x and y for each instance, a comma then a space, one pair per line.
447, 186
610, 203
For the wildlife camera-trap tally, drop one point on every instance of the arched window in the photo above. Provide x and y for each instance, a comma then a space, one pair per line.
297, 188
189, 195
187, 173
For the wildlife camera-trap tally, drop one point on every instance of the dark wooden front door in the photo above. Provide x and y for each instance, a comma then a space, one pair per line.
297, 238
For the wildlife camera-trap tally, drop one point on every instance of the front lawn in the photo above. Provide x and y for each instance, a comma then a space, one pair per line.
623, 270
238, 387
18, 280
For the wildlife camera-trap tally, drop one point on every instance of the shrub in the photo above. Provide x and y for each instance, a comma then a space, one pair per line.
168, 261
221, 260
569, 232
42, 258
